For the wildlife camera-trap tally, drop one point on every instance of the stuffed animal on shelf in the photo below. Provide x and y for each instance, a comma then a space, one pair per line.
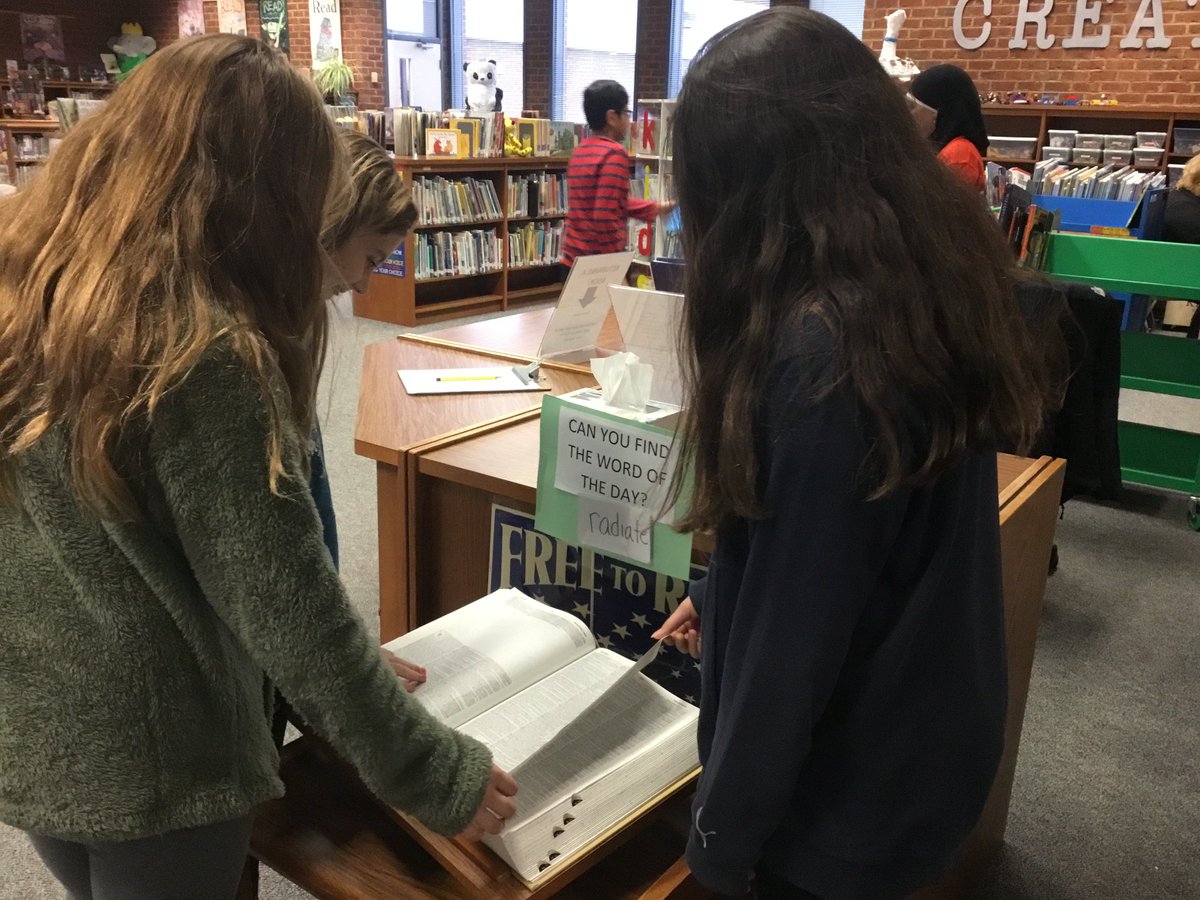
131, 48
482, 94
902, 69
512, 144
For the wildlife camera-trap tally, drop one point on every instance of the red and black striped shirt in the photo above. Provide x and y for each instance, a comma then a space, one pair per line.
598, 201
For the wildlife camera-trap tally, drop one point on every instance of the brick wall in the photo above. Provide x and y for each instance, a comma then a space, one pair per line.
538, 45
653, 48
86, 27
1169, 77
362, 36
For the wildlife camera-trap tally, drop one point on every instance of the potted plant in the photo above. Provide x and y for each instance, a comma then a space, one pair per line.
333, 79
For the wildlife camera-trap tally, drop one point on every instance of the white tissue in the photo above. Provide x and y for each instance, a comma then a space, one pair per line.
624, 380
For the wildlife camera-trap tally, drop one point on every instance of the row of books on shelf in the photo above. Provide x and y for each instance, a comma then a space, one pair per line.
537, 194
535, 244
458, 201
457, 135
1054, 178
1109, 182
440, 254
478, 251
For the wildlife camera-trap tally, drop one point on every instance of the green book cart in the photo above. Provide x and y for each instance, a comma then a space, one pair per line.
1150, 455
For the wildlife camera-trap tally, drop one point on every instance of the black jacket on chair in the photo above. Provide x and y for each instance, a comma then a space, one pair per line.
1084, 430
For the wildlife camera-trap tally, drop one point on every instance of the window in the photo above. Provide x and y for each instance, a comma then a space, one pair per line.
693, 22
848, 12
412, 19
414, 53
599, 40
494, 29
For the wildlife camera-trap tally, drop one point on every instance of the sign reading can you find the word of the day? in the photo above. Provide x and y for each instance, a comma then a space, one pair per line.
1087, 30
619, 473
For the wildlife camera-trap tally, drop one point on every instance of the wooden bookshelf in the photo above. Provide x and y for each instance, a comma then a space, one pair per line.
407, 300
11, 128
1035, 121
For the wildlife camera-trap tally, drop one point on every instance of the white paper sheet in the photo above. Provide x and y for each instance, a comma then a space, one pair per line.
487, 380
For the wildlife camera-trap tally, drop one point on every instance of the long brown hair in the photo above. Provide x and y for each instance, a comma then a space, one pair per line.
189, 208
806, 191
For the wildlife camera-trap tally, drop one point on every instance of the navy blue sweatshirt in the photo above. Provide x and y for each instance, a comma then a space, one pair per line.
853, 665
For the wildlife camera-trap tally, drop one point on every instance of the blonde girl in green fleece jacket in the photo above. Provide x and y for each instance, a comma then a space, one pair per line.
161, 331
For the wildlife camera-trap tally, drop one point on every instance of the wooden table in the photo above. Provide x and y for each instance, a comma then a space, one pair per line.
394, 428
441, 464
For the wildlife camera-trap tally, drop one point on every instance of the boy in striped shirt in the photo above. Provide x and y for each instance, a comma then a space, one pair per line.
598, 201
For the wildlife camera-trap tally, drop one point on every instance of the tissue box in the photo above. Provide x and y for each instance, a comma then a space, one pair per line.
659, 413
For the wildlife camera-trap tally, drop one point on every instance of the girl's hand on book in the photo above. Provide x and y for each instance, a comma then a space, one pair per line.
497, 807
682, 629
410, 673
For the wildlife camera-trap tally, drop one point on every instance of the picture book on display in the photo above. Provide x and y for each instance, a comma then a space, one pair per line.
589, 739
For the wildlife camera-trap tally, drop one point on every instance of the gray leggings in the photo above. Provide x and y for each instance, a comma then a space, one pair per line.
202, 863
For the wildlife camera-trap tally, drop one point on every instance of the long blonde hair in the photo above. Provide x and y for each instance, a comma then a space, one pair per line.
380, 201
1190, 179
189, 209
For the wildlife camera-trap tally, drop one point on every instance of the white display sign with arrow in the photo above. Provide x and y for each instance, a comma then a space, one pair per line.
574, 329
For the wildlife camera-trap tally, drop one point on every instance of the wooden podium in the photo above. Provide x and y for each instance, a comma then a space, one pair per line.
441, 462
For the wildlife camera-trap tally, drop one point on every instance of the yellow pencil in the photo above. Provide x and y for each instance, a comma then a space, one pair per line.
468, 377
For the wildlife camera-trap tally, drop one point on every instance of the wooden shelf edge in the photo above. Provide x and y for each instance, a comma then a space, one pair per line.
432, 309
443, 278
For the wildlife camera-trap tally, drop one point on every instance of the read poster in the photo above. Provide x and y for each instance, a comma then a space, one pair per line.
325, 22
273, 16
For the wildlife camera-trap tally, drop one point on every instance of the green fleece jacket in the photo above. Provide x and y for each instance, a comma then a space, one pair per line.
132, 656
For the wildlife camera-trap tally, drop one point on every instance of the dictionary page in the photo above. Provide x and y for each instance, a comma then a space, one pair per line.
489, 650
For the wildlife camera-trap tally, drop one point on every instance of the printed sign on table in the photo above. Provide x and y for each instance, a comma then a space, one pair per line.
603, 482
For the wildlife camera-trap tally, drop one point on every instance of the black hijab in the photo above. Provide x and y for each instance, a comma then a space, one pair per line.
950, 91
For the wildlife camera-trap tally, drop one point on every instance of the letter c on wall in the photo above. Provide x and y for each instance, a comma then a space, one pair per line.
961, 39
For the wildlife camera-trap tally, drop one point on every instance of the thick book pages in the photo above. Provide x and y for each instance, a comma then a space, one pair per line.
588, 737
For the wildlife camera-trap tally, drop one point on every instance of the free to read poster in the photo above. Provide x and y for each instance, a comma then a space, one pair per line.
325, 22
621, 603
232, 16
394, 265
273, 15
191, 18
41, 38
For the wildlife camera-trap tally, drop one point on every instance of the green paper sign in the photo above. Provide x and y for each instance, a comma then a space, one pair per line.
602, 480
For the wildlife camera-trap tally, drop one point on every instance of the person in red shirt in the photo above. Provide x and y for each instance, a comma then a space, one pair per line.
598, 201
945, 104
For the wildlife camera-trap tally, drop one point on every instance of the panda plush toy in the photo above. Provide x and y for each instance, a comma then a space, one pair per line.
482, 94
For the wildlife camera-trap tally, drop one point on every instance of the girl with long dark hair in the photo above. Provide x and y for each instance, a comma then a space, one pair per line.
854, 354
946, 106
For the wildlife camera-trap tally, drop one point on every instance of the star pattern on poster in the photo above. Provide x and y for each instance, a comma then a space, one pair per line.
621, 631
640, 620
582, 610
604, 641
